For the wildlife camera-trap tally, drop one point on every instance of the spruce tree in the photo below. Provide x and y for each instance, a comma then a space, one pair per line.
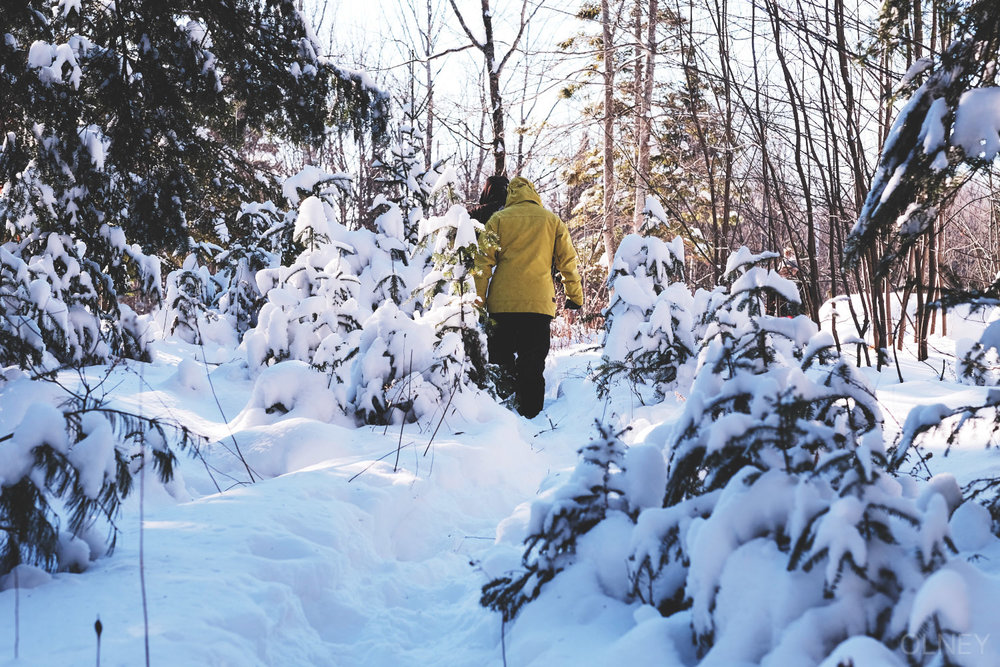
406, 183
649, 331
124, 121
67, 469
450, 297
595, 489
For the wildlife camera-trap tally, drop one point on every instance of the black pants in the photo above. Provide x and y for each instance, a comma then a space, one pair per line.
518, 344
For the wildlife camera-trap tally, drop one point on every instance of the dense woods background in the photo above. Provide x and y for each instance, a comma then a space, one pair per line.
756, 123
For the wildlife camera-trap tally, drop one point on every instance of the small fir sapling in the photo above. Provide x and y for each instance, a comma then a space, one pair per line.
190, 300
348, 309
648, 326
314, 297
243, 256
407, 183
780, 451
392, 271
410, 359
311, 226
450, 297
307, 225
792, 456
395, 353
79, 461
811, 482
794, 419
978, 362
596, 489
743, 373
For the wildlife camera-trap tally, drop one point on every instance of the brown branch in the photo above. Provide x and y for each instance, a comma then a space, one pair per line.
468, 32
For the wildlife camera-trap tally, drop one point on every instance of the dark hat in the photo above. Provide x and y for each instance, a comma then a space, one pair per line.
495, 190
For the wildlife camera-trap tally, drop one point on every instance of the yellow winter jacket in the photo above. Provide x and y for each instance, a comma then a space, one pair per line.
516, 250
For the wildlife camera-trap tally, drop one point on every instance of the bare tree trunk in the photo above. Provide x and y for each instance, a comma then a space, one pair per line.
429, 82
637, 90
722, 32
798, 118
643, 118
494, 67
607, 230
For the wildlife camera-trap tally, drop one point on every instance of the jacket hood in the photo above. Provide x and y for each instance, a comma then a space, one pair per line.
495, 191
521, 190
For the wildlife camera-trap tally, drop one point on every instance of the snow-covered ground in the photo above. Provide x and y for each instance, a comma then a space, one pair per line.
335, 558
332, 559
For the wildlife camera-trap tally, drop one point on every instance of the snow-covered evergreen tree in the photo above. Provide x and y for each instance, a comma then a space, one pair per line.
189, 301
240, 299
449, 293
314, 298
648, 322
950, 124
73, 463
596, 489
776, 476
396, 267
978, 362
407, 183
59, 297
352, 306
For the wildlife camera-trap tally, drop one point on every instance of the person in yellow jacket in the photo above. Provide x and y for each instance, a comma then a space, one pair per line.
514, 279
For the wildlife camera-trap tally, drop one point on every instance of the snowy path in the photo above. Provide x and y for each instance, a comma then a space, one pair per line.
307, 568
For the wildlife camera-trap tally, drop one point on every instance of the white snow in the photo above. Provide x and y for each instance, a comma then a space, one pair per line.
977, 123
943, 596
41, 424
93, 457
971, 527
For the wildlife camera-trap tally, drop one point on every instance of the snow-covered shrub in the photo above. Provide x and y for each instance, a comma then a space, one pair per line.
394, 270
75, 461
58, 299
350, 305
294, 389
781, 477
190, 300
779, 458
844, 551
947, 425
450, 299
596, 489
648, 323
410, 362
976, 365
240, 299
746, 381
777, 527
978, 362
306, 302
783, 417
395, 355
311, 311
407, 183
